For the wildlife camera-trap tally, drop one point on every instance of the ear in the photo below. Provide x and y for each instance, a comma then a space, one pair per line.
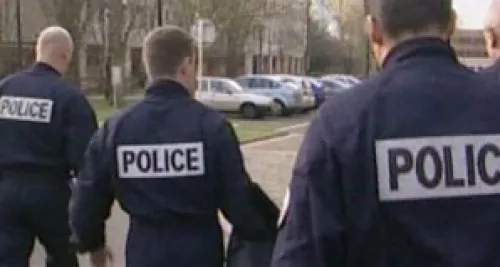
184, 66
373, 30
490, 38
452, 24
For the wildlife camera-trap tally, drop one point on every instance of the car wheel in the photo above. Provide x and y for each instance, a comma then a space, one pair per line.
279, 109
249, 111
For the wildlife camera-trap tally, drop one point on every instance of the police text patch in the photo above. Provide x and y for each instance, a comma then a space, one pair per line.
26, 109
438, 167
161, 161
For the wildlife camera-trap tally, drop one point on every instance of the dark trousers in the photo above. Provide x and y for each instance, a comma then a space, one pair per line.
34, 208
183, 245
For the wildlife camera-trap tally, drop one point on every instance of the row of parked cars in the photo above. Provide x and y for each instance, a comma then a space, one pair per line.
255, 96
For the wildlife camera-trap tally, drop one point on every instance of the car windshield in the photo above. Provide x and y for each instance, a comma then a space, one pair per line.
291, 81
233, 86
334, 84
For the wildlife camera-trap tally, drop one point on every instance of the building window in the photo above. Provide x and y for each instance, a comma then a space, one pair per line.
255, 64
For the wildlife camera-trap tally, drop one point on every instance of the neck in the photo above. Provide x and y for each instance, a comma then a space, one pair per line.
163, 78
390, 44
494, 55
170, 78
52, 64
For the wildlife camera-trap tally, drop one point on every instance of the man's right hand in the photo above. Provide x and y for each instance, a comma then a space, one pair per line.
102, 257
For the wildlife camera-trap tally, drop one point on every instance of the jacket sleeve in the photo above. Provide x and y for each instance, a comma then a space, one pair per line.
235, 188
79, 126
312, 222
93, 196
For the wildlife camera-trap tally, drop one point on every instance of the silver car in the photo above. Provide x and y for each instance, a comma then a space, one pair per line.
304, 85
226, 95
287, 97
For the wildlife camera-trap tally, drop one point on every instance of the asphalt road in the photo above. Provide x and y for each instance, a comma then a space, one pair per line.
268, 162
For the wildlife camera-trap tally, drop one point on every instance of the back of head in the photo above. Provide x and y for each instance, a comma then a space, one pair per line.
399, 18
492, 18
168, 53
55, 47
393, 21
492, 30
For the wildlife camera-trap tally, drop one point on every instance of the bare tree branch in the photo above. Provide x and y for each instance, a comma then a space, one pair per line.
131, 14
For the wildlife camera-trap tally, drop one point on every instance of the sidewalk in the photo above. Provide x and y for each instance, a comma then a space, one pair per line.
269, 163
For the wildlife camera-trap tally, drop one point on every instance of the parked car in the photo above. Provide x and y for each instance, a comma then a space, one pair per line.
304, 85
226, 95
318, 90
333, 87
347, 80
288, 98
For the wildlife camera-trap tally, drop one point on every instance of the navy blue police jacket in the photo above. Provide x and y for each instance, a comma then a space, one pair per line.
403, 170
244, 253
45, 123
171, 163
492, 73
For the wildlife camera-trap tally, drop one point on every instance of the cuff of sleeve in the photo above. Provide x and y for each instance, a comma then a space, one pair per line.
84, 245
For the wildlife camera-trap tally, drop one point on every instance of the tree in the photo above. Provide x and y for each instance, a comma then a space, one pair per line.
234, 22
9, 61
292, 25
351, 17
327, 54
117, 19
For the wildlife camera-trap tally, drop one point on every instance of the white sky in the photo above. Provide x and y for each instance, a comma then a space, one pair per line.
471, 12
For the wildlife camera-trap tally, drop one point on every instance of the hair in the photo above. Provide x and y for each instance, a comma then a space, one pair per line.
164, 50
399, 17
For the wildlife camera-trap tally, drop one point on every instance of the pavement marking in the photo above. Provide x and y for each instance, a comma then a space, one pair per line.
272, 140
293, 127
275, 151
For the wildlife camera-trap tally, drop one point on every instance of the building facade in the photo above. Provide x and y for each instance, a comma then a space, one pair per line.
470, 48
277, 45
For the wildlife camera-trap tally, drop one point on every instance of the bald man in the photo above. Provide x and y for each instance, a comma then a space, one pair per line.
492, 40
45, 127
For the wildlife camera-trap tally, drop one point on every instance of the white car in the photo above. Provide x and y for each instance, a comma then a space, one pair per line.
308, 100
347, 80
226, 95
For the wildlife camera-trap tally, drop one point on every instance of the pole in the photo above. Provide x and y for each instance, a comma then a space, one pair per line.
261, 48
160, 12
19, 34
308, 35
199, 21
367, 44
107, 57
270, 54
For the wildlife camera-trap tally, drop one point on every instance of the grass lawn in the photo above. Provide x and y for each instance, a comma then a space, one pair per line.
245, 129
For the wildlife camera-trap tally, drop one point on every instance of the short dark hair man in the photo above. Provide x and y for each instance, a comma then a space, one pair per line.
171, 163
403, 169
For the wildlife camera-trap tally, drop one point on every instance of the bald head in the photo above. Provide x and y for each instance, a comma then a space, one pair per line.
492, 19
55, 47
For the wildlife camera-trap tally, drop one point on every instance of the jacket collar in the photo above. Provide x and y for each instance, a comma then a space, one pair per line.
419, 47
167, 88
493, 71
44, 67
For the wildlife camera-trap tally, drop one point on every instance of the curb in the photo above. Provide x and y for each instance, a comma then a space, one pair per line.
281, 132
265, 137
293, 127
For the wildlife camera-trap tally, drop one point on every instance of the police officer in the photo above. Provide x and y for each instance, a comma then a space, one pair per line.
45, 126
492, 40
402, 170
171, 163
